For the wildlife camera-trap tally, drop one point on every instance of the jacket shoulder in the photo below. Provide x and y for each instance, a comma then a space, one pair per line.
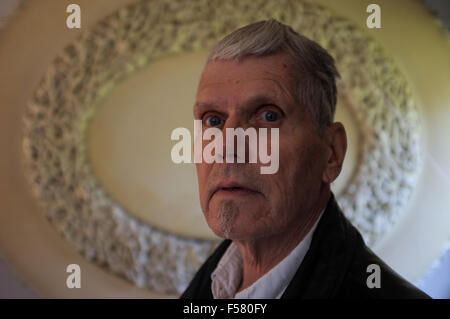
369, 277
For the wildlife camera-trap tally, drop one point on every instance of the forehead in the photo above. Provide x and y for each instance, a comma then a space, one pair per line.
224, 80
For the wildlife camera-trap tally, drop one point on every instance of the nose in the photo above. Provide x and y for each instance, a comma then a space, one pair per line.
235, 146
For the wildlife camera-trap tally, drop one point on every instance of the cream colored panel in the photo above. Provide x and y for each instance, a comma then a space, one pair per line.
129, 145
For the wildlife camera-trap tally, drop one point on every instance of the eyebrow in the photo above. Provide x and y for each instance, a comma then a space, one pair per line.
259, 99
200, 106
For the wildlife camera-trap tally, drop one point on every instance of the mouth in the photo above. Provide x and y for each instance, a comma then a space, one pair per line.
233, 189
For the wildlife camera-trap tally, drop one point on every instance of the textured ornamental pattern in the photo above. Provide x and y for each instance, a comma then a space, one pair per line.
87, 69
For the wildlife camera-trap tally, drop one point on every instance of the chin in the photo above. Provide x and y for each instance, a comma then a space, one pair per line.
221, 230
231, 219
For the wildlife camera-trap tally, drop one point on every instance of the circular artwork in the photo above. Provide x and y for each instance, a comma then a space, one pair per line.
58, 114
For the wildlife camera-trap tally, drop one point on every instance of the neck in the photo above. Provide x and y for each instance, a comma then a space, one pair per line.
262, 254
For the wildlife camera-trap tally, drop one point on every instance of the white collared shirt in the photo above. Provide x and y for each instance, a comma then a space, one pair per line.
227, 276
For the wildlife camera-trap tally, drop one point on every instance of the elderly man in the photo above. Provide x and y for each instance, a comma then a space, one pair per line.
285, 236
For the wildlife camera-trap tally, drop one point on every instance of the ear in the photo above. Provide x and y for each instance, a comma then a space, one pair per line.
336, 142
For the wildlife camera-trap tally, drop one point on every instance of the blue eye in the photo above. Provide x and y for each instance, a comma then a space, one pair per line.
269, 116
213, 120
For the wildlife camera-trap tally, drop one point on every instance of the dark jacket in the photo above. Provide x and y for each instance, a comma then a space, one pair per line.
335, 266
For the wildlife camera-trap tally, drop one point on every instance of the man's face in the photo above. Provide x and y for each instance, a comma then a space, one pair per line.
258, 92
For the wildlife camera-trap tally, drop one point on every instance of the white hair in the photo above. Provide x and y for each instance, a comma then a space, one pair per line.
315, 72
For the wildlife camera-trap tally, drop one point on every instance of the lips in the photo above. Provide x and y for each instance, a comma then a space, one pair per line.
232, 188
